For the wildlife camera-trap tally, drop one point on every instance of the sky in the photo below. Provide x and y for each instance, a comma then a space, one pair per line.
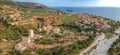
77, 3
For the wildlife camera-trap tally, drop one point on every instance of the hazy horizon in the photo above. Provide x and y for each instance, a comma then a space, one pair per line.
76, 3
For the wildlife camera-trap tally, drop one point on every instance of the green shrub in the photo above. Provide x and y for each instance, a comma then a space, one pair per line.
69, 50
9, 34
56, 35
1, 50
27, 52
44, 52
43, 32
114, 48
44, 41
61, 30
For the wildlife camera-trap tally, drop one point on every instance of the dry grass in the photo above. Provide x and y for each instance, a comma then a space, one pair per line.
6, 47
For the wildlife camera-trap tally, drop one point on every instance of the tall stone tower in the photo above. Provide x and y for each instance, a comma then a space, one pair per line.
31, 33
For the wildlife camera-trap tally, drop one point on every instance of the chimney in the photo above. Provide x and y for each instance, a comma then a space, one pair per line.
31, 33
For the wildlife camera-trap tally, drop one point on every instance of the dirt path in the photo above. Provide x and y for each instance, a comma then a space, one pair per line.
97, 39
104, 45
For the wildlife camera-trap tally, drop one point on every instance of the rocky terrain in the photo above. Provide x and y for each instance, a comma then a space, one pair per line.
115, 47
53, 32
107, 43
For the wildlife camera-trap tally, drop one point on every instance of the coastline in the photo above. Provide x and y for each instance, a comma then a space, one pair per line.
106, 12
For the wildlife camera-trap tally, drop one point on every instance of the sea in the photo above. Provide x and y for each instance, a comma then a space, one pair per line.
107, 12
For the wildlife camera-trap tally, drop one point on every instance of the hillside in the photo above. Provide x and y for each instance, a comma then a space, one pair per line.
23, 4
34, 29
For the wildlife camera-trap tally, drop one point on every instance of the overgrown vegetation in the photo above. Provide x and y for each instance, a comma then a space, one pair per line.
56, 35
69, 50
9, 34
115, 48
114, 26
44, 41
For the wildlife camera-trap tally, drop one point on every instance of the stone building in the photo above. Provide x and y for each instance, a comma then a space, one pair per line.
25, 41
28, 42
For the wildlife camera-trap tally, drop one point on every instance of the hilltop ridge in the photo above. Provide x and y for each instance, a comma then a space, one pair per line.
23, 4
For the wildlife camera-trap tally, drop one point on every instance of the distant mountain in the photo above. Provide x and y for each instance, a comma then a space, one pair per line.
23, 4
